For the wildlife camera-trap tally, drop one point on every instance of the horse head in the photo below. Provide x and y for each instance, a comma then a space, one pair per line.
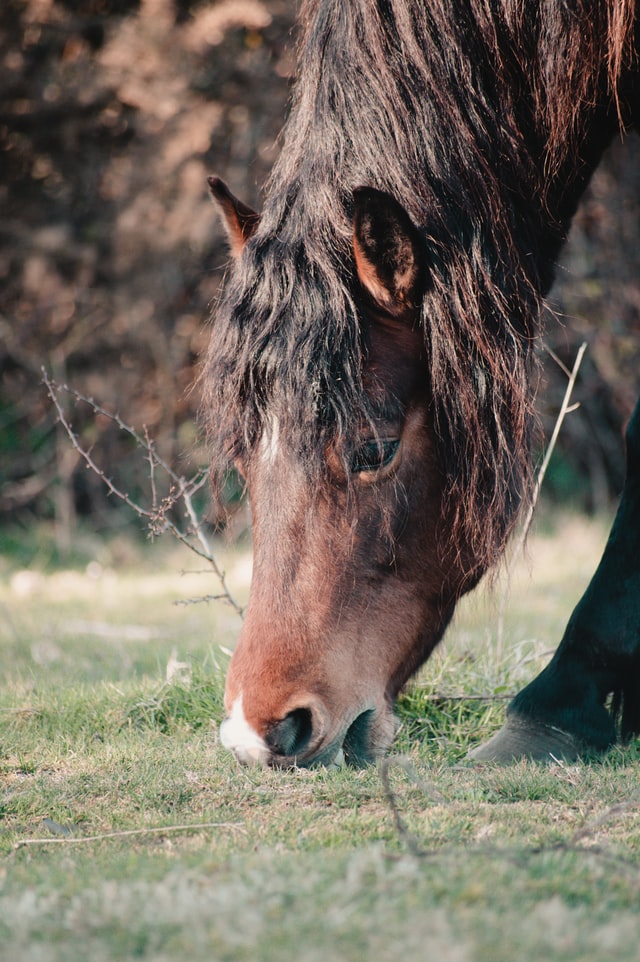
350, 590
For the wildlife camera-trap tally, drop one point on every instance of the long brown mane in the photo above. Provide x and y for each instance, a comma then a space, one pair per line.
479, 117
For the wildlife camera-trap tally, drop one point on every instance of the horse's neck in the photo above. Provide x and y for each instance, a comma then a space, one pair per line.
565, 174
558, 204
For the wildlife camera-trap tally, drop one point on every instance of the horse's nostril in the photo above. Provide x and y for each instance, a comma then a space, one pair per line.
291, 735
356, 747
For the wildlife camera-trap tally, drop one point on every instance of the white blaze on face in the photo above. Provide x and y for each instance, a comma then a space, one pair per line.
237, 734
270, 441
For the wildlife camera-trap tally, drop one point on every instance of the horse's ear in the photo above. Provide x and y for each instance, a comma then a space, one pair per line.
240, 221
389, 251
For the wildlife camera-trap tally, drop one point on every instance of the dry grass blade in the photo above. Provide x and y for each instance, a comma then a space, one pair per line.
128, 833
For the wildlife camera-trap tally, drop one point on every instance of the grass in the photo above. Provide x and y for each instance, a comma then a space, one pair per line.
126, 832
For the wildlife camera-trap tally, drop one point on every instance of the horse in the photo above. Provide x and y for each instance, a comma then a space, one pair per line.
371, 372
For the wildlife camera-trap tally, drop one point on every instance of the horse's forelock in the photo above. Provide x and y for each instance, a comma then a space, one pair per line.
285, 344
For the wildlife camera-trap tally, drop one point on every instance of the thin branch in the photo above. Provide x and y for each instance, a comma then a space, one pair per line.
586, 831
590, 828
85, 455
384, 765
157, 518
563, 367
203, 599
206, 550
117, 420
565, 408
152, 469
440, 697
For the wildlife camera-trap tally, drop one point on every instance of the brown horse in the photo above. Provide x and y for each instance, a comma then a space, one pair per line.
370, 364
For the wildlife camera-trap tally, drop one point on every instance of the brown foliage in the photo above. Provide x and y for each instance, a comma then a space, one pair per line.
112, 113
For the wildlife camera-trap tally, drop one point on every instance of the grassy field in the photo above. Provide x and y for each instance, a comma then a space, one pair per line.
126, 832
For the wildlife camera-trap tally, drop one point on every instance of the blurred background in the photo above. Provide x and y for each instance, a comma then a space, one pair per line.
112, 113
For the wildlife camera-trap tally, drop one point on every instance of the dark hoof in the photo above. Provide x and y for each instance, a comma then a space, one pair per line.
524, 738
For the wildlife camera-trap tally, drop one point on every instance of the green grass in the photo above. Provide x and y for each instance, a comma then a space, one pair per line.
193, 857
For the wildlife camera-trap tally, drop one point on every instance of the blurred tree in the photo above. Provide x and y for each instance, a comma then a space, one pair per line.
597, 298
112, 113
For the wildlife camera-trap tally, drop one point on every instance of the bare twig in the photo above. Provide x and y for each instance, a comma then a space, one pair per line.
206, 549
384, 765
590, 828
203, 599
110, 415
565, 408
437, 696
152, 469
183, 489
573, 844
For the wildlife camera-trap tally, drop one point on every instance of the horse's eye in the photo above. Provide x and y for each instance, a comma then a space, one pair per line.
374, 454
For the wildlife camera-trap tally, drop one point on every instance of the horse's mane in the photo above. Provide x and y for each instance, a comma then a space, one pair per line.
473, 114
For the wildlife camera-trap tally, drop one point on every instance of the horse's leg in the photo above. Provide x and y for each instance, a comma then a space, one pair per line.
563, 712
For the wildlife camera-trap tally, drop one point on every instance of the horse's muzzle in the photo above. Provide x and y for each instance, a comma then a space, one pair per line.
305, 738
